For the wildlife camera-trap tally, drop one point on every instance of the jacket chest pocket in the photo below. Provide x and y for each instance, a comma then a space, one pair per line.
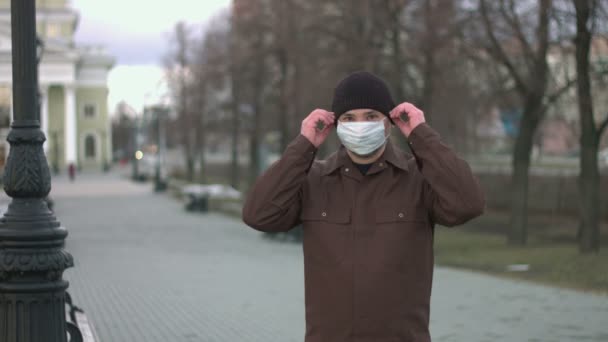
327, 231
401, 233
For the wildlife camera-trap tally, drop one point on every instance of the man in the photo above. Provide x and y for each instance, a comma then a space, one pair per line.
368, 214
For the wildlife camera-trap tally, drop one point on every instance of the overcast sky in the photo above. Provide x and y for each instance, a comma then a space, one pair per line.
137, 33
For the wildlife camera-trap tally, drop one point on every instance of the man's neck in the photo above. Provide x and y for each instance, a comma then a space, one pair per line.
366, 160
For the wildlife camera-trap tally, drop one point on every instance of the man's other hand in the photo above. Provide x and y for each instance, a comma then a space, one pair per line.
407, 117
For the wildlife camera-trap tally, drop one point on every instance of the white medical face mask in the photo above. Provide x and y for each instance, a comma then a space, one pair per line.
362, 138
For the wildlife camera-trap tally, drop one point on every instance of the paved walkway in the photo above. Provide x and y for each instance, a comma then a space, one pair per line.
148, 271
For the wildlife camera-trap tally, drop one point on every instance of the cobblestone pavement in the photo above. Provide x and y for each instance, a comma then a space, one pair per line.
148, 271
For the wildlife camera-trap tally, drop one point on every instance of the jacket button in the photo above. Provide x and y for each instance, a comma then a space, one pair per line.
323, 214
381, 164
401, 215
346, 169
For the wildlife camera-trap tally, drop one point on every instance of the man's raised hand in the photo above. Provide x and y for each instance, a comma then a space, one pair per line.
407, 116
317, 126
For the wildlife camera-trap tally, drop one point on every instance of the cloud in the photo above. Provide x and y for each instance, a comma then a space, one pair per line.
138, 32
138, 85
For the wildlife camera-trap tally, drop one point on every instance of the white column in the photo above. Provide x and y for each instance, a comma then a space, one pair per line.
44, 114
108, 156
70, 124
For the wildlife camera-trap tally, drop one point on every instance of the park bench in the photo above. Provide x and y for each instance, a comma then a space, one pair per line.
197, 198
198, 195
78, 326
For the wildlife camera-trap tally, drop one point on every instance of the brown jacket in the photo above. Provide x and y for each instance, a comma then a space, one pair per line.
368, 240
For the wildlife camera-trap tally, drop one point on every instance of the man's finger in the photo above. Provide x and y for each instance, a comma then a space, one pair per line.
395, 113
325, 118
323, 127
319, 112
329, 115
321, 122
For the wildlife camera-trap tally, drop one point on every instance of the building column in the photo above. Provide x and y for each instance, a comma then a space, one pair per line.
108, 158
44, 114
70, 125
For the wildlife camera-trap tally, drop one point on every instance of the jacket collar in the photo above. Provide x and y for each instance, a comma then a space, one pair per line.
392, 154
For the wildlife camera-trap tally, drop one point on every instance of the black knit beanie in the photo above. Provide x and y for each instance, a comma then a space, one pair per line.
362, 90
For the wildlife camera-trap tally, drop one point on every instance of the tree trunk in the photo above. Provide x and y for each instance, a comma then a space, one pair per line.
429, 69
399, 91
254, 139
201, 131
532, 92
283, 100
202, 160
296, 101
234, 160
518, 233
284, 36
589, 197
254, 157
189, 168
588, 181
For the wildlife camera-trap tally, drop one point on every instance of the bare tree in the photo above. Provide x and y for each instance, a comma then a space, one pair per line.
209, 74
235, 89
586, 18
525, 60
178, 66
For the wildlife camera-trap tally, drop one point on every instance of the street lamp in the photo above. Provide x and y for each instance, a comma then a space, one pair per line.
136, 144
55, 162
159, 184
32, 255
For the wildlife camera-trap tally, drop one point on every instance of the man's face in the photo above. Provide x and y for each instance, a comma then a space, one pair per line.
363, 115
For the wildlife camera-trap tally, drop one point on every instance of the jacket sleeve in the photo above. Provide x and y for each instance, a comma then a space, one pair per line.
274, 202
451, 192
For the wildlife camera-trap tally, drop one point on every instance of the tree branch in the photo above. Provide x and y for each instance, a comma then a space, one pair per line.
513, 20
553, 97
543, 35
498, 52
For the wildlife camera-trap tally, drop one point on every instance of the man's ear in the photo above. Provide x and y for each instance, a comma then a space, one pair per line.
390, 123
388, 127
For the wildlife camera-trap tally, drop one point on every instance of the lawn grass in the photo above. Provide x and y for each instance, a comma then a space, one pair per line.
551, 253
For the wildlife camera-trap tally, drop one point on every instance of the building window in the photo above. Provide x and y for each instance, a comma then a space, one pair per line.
89, 147
90, 110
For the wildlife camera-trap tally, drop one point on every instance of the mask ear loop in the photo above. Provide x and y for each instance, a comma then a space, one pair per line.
389, 132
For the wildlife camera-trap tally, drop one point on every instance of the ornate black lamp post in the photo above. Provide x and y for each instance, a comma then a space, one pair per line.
32, 255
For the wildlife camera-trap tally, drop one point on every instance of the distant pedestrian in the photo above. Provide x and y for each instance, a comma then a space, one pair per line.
368, 213
72, 172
